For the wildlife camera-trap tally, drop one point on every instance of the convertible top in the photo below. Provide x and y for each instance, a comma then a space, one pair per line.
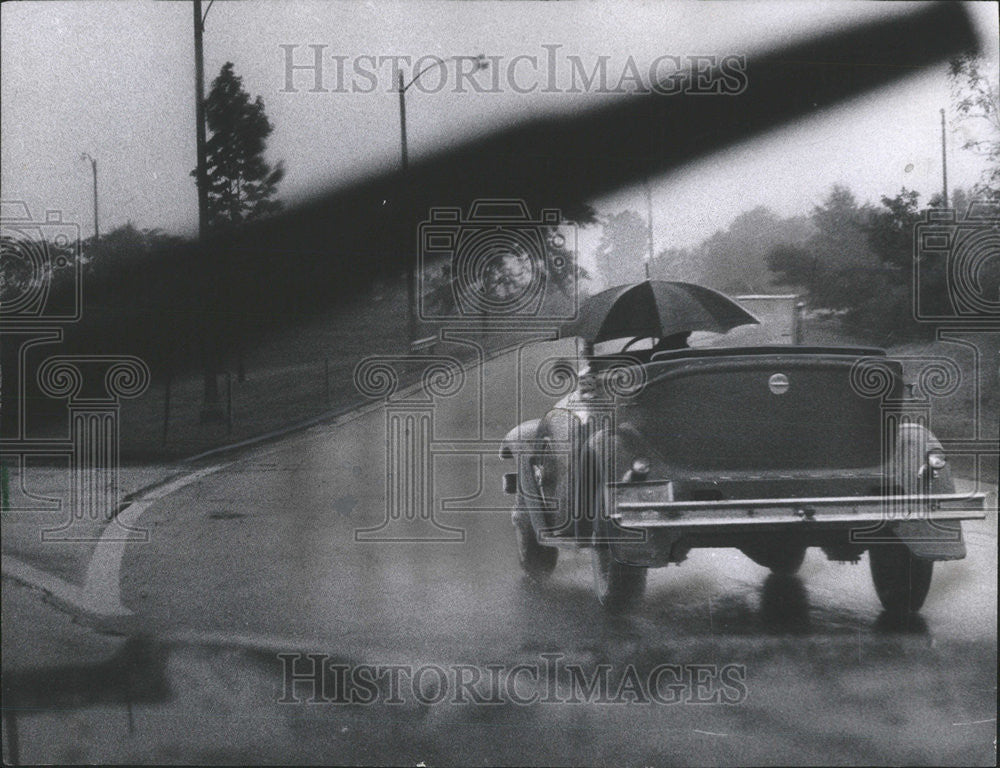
643, 356
772, 349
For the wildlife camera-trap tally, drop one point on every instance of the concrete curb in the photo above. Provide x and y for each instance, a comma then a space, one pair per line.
61, 592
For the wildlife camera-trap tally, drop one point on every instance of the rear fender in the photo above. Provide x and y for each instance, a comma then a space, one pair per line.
610, 456
520, 444
613, 454
525, 446
930, 540
520, 440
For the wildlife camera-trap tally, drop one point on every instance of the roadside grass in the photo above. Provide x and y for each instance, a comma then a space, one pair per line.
291, 377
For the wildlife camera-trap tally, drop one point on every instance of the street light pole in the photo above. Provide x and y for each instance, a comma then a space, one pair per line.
481, 63
93, 168
411, 275
402, 119
402, 88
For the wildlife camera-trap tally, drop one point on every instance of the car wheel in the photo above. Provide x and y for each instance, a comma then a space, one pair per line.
785, 561
536, 559
901, 580
616, 585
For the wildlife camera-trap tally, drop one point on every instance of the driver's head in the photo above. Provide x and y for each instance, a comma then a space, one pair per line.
673, 341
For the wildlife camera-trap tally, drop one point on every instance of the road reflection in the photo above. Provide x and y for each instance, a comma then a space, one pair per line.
784, 605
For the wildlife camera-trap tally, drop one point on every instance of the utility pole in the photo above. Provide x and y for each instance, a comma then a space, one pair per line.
211, 410
411, 272
199, 116
944, 166
402, 121
649, 225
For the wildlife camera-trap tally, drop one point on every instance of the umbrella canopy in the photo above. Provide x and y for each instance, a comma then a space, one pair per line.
655, 308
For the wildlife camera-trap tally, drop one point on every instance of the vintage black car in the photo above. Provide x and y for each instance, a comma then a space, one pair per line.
768, 449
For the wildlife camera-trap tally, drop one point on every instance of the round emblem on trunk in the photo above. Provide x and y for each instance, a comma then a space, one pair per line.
778, 383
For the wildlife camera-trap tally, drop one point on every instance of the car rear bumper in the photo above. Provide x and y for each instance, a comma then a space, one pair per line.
650, 528
651, 506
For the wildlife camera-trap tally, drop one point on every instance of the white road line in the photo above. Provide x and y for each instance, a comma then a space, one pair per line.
978, 722
102, 586
100, 594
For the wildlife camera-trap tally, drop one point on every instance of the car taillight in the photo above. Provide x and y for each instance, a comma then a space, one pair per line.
640, 468
936, 459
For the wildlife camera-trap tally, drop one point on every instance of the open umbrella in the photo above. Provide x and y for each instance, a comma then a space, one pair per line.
655, 308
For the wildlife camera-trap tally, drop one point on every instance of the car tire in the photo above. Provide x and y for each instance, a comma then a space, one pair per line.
537, 560
616, 585
901, 580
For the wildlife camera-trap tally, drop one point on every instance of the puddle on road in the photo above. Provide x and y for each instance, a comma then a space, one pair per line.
226, 515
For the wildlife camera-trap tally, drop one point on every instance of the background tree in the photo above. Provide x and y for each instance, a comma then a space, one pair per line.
860, 262
884, 307
241, 188
835, 261
624, 244
675, 263
241, 184
959, 199
734, 260
976, 99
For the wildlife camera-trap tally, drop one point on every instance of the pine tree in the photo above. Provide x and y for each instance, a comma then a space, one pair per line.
241, 184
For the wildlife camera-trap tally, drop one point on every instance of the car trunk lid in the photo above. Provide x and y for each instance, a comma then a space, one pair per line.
769, 411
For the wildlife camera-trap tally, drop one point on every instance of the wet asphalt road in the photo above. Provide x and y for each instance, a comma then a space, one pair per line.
266, 547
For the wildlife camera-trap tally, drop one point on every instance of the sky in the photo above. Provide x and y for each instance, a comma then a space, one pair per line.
116, 80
